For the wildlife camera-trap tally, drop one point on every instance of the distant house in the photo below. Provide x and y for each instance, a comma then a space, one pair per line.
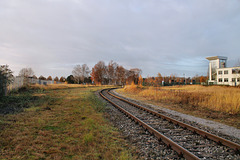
220, 74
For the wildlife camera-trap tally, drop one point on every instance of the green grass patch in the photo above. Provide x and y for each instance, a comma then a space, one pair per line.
53, 128
60, 124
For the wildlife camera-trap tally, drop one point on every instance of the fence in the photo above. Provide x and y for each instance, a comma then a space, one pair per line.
18, 82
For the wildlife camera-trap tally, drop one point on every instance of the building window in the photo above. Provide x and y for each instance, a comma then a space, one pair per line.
233, 79
226, 72
235, 71
225, 79
219, 72
220, 80
222, 63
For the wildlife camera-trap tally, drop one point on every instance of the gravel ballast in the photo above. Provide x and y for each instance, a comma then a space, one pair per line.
146, 145
215, 127
149, 147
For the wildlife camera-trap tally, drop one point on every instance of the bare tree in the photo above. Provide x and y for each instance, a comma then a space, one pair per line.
80, 73
121, 75
77, 73
133, 74
26, 73
85, 71
111, 72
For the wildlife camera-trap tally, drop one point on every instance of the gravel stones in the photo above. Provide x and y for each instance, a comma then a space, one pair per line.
149, 146
224, 131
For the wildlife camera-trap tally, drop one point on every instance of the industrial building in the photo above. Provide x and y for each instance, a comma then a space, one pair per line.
220, 74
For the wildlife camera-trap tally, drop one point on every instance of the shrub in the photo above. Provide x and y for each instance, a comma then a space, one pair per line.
6, 77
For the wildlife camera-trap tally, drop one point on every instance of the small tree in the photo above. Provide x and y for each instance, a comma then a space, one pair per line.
42, 78
6, 77
56, 79
62, 79
49, 78
70, 79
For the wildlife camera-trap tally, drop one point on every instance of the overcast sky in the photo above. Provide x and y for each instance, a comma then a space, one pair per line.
166, 36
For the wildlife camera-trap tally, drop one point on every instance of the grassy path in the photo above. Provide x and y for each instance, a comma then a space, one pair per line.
61, 124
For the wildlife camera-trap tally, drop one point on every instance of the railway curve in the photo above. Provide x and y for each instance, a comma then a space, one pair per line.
189, 142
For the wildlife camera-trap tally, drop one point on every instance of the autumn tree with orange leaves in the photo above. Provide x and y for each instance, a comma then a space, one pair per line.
140, 81
49, 78
99, 73
158, 80
114, 74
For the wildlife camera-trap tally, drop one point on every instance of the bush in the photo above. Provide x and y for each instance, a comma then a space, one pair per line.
6, 77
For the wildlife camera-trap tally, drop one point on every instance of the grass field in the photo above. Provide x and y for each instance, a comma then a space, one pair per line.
219, 103
59, 122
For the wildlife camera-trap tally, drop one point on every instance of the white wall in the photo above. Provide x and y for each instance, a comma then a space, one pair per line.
229, 76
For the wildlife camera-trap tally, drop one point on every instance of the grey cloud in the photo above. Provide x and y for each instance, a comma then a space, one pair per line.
156, 35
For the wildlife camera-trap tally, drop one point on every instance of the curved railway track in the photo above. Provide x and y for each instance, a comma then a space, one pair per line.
189, 142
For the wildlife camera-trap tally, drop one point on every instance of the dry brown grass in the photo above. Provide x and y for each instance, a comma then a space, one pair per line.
216, 99
69, 124
61, 86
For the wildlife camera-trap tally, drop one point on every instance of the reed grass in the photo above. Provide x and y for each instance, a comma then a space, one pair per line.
216, 98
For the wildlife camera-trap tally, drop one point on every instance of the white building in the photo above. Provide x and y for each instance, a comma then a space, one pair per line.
219, 74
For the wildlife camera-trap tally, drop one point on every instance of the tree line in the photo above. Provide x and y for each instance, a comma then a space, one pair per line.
111, 74
160, 80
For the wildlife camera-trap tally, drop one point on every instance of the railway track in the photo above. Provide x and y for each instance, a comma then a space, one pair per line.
189, 142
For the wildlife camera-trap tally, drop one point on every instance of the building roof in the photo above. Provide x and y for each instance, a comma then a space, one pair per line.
216, 57
229, 68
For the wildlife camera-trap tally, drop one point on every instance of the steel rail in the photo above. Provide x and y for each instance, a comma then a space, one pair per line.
205, 134
182, 152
